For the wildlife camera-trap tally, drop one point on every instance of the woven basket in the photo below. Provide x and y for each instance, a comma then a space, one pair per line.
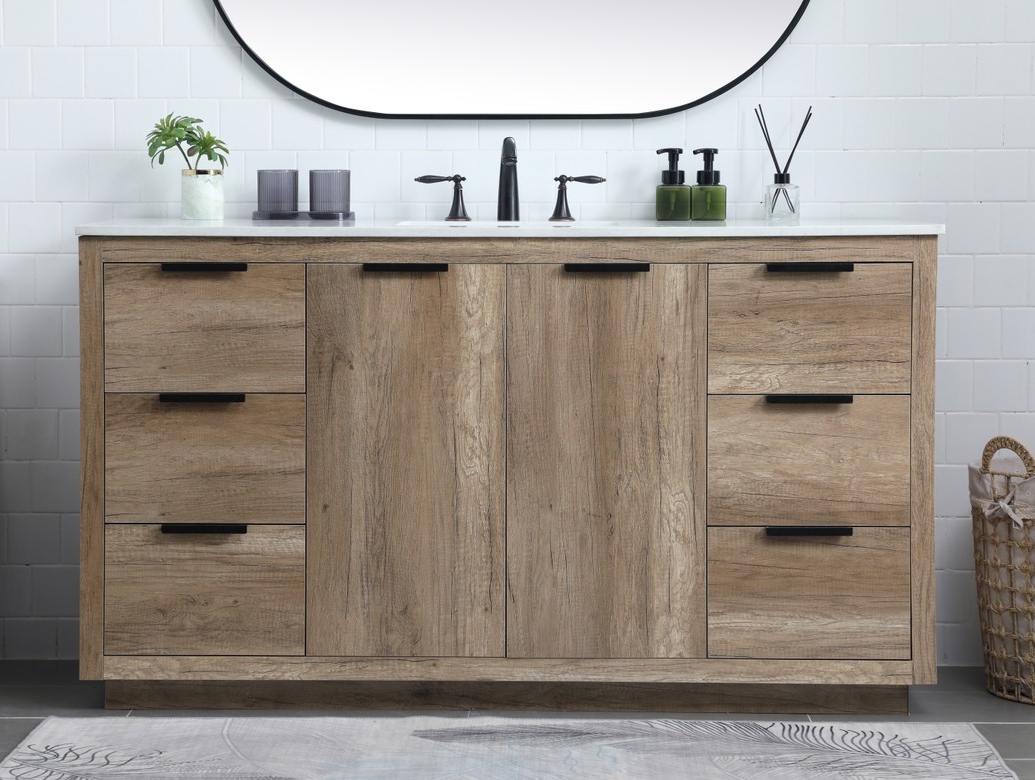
1005, 571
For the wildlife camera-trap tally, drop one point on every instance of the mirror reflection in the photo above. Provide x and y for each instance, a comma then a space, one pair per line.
536, 58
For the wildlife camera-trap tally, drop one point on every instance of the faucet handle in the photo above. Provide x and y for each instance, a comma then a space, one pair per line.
561, 213
457, 212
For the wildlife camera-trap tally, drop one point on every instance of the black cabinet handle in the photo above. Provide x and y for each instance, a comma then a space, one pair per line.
606, 268
212, 268
201, 398
809, 268
210, 529
394, 268
809, 398
808, 530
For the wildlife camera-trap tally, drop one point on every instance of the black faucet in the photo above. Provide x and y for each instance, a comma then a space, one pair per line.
507, 204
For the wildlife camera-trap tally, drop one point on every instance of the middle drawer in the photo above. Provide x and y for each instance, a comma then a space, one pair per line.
204, 462
808, 464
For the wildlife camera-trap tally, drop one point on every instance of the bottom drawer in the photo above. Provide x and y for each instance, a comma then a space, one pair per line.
822, 597
204, 593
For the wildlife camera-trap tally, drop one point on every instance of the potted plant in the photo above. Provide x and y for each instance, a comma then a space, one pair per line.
202, 188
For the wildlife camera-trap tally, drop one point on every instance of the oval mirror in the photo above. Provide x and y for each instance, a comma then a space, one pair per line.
528, 59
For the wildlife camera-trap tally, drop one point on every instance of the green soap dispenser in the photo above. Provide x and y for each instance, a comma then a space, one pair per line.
708, 198
673, 197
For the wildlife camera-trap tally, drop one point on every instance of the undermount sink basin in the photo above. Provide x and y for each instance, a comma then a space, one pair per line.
483, 223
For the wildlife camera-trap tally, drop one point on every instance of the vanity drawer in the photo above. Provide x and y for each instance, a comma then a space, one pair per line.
204, 593
171, 458
777, 460
793, 331
809, 597
202, 330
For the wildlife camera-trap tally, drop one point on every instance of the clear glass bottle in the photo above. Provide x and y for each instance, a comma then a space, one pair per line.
781, 201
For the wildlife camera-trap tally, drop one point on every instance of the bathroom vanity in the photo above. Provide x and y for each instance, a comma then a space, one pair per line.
609, 466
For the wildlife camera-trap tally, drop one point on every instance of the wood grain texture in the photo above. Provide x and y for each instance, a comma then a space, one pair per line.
204, 332
406, 464
605, 516
566, 247
594, 697
555, 670
209, 462
809, 333
91, 461
923, 578
814, 597
229, 595
845, 464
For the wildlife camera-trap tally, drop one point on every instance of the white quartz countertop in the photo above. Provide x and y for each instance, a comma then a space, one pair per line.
305, 227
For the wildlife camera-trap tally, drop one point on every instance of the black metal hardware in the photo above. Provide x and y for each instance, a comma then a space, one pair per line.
810, 268
808, 530
457, 211
606, 268
561, 213
391, 268
507, 204
204, 528
212, 268
201, 398
808, 398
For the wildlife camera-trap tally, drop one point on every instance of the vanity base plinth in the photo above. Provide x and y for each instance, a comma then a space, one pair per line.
592, 697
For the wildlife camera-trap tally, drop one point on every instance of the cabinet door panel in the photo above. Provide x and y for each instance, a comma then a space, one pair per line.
197, 332
207, 462
605, 519
405, 434
818, 597
815, 332
808, 464
186, 594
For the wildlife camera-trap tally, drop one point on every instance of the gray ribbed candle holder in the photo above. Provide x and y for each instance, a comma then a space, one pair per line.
278, 194
329, 194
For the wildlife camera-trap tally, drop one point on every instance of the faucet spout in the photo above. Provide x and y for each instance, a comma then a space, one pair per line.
507, 203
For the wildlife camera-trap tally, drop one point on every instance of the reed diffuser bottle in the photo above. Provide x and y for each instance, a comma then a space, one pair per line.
781, 201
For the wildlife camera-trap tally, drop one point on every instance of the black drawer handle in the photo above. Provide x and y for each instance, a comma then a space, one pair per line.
212, 268
394, 268
210, 529
808, 530
201, 398
606, 268
809, 398
810, 268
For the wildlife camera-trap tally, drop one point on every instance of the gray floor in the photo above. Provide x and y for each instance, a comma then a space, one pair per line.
32, 690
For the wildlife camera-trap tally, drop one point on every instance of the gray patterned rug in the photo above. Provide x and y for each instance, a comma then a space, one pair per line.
437, 748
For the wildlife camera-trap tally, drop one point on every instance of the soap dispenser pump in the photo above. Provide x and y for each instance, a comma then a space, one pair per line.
673, 196
708, 199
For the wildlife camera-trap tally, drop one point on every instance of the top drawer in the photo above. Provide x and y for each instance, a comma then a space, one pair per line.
204, 331
780, 331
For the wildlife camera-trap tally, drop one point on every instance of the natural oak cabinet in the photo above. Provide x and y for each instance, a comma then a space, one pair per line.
406, 487
350, 468
605, 522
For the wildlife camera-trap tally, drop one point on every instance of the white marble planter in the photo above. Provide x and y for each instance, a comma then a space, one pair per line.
201, 195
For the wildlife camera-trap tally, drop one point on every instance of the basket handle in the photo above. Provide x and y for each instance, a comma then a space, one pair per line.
1007, 443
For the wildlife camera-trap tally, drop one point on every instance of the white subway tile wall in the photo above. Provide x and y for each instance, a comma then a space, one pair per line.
924, 109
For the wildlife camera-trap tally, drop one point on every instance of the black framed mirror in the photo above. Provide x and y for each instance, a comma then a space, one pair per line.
537, 59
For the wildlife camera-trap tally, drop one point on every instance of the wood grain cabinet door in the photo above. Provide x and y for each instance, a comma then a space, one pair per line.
605, 519
169, 327
204, 593
810, 331
779, 461
405, 450
818, 597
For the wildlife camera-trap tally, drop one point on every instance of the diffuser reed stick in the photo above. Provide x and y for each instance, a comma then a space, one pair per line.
760, 116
